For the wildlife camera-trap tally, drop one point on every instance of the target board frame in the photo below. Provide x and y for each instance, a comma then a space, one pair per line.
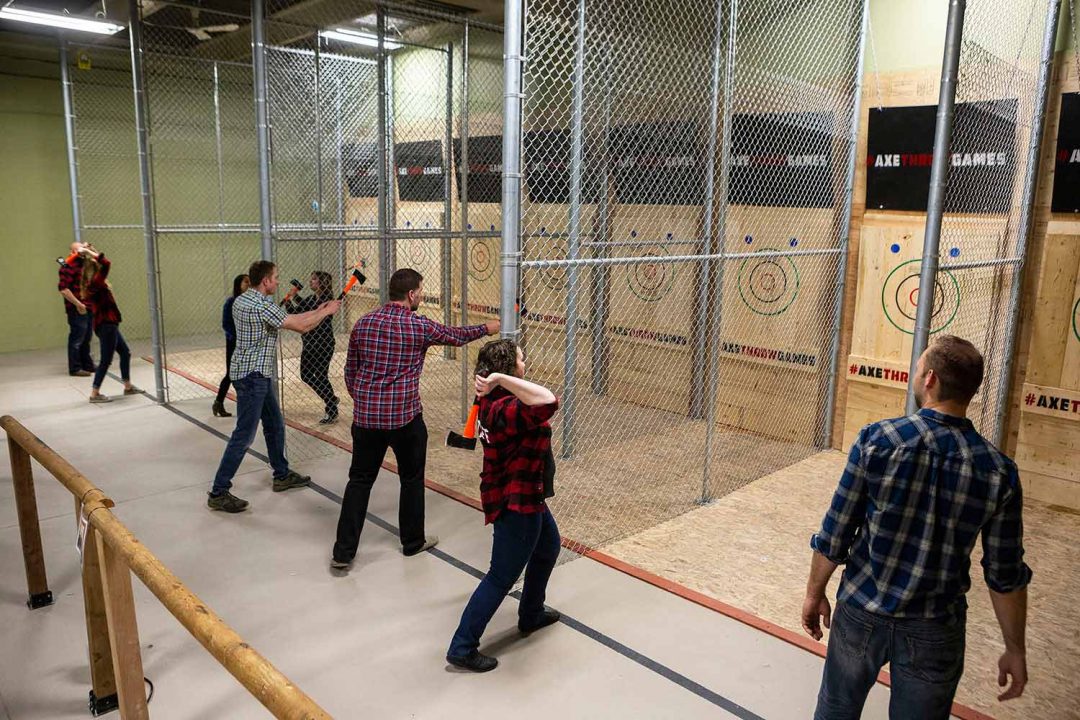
654, 293
766, 298
897, 295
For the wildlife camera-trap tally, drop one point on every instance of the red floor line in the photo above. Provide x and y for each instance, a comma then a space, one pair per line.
777, 631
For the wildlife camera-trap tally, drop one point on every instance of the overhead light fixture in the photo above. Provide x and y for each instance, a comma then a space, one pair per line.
56, 20
356, 37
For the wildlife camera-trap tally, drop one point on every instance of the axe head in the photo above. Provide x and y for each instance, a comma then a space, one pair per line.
461, 442
360, 278
296, 284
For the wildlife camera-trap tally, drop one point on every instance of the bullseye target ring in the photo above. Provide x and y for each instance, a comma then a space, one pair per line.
900, 298
417, 253
768, 285
482, 260
651, 281
1076, 319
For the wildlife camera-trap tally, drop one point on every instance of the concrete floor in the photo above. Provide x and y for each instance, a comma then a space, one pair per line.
370, 644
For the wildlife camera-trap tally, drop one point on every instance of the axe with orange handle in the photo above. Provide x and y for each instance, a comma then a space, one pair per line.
297, 286
355, 277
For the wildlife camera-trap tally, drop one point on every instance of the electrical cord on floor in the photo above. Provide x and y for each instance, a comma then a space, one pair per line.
151, 695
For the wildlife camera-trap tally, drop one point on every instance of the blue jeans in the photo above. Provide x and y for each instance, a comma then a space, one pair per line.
80, 330
528, 542
255, 400
112, 343
926, 661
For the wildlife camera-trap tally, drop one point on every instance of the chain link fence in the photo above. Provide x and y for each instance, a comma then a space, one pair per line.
684, 217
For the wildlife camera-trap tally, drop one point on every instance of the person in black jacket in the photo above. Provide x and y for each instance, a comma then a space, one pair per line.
318, 344
240, 284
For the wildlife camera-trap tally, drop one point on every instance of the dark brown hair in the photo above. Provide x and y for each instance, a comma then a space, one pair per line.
497, 356
957, 365
404, 281
236, 283
326, 284
260, 270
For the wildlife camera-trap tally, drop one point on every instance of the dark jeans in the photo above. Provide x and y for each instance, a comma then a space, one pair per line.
111, 341
528, 542
223, 387
926, 661
315, 357
80, 330
409, 443
255, 400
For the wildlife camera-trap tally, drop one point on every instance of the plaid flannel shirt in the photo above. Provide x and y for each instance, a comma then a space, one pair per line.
517, 440
99, 298
915, 495
386, 356
257, 318
70, 278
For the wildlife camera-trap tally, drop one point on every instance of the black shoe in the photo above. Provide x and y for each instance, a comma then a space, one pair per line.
548, 617
474, 662
291, 480
226, 502
220, 411
329, 418
81, 373
429, 542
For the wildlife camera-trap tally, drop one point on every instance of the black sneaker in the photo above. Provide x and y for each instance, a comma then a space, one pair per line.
226, 502
474, 662
548, 617
430, 541
292, 480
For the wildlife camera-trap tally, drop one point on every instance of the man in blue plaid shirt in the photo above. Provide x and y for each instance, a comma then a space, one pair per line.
915, 495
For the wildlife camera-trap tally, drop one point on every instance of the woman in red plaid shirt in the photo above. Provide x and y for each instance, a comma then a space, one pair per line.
518, 475
95, 291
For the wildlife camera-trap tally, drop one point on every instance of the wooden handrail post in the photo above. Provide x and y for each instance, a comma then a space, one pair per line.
123, 632
103, 697
22, 476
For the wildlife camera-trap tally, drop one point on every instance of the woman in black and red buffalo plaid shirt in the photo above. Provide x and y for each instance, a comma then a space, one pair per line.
95, 291
517, 476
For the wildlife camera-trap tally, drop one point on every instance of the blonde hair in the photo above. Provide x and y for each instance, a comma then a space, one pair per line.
89, 271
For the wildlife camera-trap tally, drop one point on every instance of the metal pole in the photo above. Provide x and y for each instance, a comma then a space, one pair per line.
845, 232
448, 208
573, 249
385, 260
149, 237
511, 177
939, 180
221, 177
702, 339
391, 163
262, 126
601, 275
69, 136
720, 241
1031, 183
318, 145
339, 191
463, 192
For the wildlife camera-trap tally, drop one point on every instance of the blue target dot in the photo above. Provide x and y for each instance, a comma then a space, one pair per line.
669, 235
633, 233
748, 239
492, 227
543, 231
469, 226
793, 242
954, 252
427, 224
408, 223
894, 248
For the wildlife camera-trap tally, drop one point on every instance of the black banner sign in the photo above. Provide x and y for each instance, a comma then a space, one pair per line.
419, 171
658, 163
485, 168
1066, 196
547, 155
900, 152
360, 165
782, 160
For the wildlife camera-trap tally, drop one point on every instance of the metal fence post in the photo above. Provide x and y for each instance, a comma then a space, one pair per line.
511, 176
149, 223
600, 277
220, 175
845, 234
463, 194
262, 126
1031, 184
386, 262
69, 137
318, 147
939, 180
446, 256
573, 249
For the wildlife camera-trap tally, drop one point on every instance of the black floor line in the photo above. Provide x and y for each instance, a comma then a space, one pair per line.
593, 634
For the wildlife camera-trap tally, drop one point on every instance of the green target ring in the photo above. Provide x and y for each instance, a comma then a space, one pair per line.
1076, 319
766, 288
902, 285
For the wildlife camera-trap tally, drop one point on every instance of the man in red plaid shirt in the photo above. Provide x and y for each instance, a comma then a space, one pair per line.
382, 373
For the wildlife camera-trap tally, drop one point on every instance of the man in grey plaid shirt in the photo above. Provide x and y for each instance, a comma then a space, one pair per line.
916, 494
258, 319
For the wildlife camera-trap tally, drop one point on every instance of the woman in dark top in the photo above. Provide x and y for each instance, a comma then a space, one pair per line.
517, 477
96, 294
240, 284
318, 344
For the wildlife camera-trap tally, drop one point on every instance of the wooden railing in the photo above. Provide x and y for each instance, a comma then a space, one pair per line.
110, 553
